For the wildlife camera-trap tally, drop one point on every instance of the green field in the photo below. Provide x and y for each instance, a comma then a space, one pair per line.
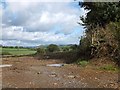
16, 51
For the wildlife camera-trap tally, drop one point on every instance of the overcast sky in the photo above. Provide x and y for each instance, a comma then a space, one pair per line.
32, 23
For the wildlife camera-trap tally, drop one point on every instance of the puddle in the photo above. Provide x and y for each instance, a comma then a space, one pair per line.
55, 65
6, 65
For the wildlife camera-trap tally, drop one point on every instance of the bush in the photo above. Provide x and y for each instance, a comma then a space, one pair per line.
67, 57
83, 63
84, 50
65, 49
53, 48
41, 51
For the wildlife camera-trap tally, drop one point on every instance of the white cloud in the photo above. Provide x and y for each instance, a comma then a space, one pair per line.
38, 23
41, 0
12, 34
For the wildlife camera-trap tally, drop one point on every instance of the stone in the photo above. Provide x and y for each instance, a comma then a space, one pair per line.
38, 72
71, 76
53, 75
55, 65
54, 83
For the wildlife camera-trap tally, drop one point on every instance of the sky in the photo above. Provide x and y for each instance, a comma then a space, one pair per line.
40, 22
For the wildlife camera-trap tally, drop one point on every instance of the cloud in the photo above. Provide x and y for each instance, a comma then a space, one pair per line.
17, 34
40, 23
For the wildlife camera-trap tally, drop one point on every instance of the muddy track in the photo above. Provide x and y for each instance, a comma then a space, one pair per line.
29, 72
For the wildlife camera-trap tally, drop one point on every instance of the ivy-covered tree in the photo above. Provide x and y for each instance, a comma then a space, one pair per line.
101, 36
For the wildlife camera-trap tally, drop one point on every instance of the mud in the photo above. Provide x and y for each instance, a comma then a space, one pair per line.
29, 72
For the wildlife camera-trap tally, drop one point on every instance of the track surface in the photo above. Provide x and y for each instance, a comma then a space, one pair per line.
29, 72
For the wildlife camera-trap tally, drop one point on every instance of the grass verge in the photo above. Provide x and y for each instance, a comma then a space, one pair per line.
109, 67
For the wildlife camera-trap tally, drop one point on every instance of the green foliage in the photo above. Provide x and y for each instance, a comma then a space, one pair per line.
109, 68
84, 47
114, 27
40, 50
65, 49
67, 57
82, 62
52, 48
74, 47
102, 23
100, 13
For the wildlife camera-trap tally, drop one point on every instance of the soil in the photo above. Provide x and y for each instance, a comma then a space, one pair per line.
29, 72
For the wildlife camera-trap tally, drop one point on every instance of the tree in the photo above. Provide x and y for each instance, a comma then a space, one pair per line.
52, 48
101, 36
74, 47
100, 13
41, 51
65, 48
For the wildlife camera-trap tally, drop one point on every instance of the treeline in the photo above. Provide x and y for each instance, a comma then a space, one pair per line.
102, 34
18, 47
102, 30
67, 53
53, 48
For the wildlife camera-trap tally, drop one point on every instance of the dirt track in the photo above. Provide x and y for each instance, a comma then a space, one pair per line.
28, 72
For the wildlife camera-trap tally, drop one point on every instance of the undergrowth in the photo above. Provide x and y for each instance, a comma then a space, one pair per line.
109, 67
82, 62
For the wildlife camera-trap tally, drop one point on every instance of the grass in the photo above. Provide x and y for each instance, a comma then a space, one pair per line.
82, 62
16, 51
109, 67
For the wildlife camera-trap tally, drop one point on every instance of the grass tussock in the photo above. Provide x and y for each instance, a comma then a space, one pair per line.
109, 67
82, 62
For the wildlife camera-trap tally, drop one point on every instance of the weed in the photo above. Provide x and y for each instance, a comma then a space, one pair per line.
109, 67
83, 63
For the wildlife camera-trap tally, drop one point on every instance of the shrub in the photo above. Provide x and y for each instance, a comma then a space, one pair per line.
41, 51
52, 48
83, 63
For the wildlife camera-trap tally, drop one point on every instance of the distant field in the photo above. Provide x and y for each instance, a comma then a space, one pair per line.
16, 51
